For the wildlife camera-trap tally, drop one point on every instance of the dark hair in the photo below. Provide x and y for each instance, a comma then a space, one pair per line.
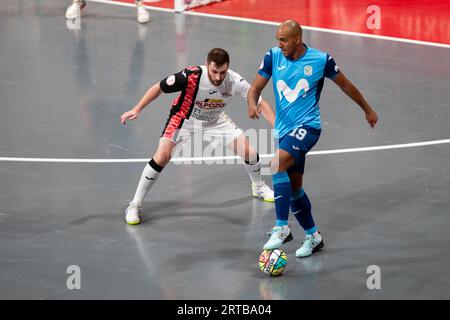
219, 56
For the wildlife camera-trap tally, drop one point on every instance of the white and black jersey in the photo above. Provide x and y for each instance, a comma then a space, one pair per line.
200, 100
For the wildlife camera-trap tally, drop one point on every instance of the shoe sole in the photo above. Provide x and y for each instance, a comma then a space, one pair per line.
263, 199
288, 238
316, 249
133, 223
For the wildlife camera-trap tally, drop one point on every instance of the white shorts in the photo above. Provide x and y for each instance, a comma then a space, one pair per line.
224, 132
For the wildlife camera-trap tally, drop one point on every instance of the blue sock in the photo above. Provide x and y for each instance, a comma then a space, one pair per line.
282, 192
301, 208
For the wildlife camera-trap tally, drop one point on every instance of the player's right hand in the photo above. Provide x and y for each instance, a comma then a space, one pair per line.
130, 115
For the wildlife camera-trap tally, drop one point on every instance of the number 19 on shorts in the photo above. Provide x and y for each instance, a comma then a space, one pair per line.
299, 133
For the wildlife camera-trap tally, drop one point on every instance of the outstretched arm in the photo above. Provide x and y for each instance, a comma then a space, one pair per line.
353, 92
253, 96
152, 93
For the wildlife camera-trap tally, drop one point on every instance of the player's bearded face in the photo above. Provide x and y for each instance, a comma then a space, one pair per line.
286, 42
217, 73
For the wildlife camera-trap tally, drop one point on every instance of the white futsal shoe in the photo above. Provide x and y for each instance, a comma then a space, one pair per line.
310, 245
132, 214
74, 10
263, 192
142, 14
278, 236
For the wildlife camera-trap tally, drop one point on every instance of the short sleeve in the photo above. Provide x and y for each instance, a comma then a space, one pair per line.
265, 69
241, 86
331, 68
174, 83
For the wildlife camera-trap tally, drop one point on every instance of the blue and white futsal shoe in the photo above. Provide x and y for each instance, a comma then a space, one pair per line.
132, 214
263, 192
278, 236
309, 246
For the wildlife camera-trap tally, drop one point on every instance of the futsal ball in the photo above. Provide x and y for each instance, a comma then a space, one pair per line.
273, 262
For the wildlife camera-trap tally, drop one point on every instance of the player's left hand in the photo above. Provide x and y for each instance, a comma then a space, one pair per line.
253, 112
372, 118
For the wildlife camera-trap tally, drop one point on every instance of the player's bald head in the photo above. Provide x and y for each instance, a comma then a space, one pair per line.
291, 28
289, 37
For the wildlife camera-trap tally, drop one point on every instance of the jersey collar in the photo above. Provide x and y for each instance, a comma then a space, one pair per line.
304, 53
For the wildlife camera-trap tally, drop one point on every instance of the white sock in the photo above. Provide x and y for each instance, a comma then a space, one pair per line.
148, 179
254, 171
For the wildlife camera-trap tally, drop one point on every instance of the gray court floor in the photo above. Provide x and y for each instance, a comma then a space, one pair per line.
62, 92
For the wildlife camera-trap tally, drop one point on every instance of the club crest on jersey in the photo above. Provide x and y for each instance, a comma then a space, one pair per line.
170, 80
308, 70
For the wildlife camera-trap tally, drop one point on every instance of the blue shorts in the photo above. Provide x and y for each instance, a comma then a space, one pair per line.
298, 143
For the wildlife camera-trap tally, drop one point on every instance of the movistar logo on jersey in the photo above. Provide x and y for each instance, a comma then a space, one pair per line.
302, 87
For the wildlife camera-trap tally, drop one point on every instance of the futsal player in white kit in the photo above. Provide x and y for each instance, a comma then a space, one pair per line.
205, 92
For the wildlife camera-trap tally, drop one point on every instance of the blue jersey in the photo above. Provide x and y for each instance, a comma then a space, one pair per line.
297, 86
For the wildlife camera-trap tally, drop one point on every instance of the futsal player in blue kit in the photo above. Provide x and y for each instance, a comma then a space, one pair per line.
298, 73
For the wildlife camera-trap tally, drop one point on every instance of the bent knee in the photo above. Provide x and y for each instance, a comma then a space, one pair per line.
277, 166
162, 158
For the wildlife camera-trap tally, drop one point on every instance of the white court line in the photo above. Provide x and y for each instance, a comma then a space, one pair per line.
199, 159
348, 33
